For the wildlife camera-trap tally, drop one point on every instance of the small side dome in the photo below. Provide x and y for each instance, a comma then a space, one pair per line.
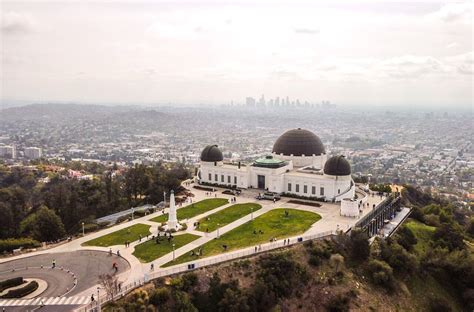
337, 166
211, 153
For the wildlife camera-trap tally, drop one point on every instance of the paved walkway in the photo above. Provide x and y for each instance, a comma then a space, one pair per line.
331, 220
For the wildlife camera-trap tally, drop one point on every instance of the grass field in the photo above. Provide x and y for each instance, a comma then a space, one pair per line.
273, 224
194, 209
226, 216
119, 237
150, 250
423, 234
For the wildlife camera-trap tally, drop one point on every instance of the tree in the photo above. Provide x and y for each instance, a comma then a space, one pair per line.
109, 283
336, 261
359, 246
406, 238
450, 236
381, 273
43, 225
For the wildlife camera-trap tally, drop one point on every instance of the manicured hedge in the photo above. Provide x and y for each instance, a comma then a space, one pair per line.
22, 291
10, 244
12, 282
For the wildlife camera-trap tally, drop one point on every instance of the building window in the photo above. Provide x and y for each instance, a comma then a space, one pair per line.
216, 178
313, 190
210, 177
297, 188
321, 191
305, 189
289, 187
228, 179
222, 178
235, 180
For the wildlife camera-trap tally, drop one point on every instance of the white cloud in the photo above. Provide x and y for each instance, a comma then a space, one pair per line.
17, 23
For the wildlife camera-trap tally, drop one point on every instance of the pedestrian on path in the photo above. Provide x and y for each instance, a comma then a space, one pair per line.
255, 248
118, 252
92, 298
53, 263
152, 267
110, 252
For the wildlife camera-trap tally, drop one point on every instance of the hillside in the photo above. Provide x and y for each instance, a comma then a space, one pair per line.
426, 266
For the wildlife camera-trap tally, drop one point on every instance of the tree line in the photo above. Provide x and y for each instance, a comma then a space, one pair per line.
47, 211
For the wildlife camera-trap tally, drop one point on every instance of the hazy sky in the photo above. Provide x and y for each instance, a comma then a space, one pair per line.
209, 52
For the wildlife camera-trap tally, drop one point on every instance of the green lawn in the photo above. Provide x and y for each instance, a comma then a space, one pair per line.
119, 237
423, 234
226, 216
194, 209
273, 224
150, 250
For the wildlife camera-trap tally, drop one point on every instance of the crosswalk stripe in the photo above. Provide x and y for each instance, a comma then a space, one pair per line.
63, 299
15, 303
74, 299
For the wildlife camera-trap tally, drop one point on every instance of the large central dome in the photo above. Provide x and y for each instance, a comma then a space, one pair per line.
298, 142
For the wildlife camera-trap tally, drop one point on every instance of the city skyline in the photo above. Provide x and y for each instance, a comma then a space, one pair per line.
188, 53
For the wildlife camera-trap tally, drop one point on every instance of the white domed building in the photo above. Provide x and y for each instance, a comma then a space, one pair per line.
298, 166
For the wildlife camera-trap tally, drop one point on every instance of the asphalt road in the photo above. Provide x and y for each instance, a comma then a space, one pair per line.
86, 265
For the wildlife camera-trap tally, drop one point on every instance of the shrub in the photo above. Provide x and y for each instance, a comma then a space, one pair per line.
438, 304
338, 303
22, 291
406, 238
160, 296
12, 282
10, 244
189, 280
359, 246
381, 273
91, 227
314, 260
123, 218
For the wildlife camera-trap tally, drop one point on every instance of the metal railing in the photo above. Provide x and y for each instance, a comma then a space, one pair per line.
193, 265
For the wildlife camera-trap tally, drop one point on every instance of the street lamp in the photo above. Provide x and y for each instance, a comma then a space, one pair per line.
173, 252
133, 210
218, 230
251, 213
98, 298
82, 228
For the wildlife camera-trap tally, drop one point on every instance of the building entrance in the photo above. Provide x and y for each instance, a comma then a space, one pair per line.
261, 181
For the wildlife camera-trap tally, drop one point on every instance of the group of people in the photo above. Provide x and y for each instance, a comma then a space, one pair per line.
259, 232
118, 251
258, 248
167, 236
198, 253
233, 200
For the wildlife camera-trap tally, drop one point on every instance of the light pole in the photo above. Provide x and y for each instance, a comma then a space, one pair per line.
82, 228
98, 298
218, 230
133, 210
173, 252
251, 213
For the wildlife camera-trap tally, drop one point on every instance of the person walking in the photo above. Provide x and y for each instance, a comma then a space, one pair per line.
152, 267
53, 263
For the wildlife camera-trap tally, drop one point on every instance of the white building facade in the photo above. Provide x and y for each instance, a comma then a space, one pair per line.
298, 166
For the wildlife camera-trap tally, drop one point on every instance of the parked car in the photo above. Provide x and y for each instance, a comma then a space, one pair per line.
269, 196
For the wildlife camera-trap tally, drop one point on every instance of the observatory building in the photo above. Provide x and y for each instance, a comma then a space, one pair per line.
298, 166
